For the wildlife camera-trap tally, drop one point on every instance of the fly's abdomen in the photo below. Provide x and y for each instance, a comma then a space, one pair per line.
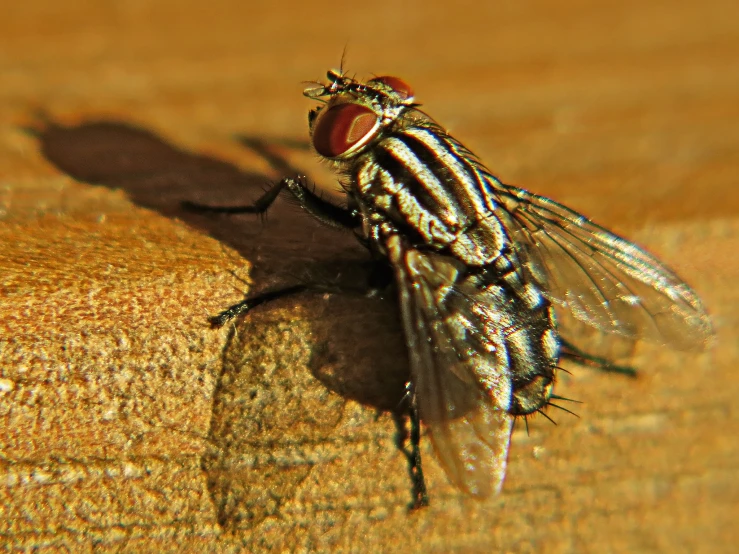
531, 336
533, 352
519, 314
500, 328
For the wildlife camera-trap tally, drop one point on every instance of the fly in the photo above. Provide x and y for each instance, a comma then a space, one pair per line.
482, 270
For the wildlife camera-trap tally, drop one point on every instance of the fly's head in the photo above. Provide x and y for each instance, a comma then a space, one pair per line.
354, 113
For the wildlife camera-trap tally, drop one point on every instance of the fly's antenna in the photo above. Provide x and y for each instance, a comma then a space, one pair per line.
343, 57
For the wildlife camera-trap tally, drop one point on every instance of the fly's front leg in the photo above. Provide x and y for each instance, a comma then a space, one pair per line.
322, 210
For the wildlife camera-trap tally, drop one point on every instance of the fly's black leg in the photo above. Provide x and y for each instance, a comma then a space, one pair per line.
415, 469
420, 495
321, 209
245, 305
572, 352
372, 289
261, 205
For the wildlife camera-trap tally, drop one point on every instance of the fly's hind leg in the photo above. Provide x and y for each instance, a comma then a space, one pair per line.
571, 352
419, 483
415, 469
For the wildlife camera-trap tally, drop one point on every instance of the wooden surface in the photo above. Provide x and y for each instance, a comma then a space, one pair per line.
127, 425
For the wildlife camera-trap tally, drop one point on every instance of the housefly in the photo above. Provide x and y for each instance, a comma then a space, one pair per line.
483, 272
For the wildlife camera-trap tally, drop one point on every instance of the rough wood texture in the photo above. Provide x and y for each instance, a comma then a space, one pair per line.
127, 425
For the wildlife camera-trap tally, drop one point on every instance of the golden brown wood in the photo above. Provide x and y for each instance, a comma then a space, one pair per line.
126, 424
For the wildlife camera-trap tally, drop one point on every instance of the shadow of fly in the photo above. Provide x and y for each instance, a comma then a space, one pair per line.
483, 272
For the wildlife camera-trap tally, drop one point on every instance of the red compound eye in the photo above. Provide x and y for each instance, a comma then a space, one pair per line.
399, 86
343, 128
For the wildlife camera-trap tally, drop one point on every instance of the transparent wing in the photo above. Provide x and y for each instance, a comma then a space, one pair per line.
602, 279
449, 352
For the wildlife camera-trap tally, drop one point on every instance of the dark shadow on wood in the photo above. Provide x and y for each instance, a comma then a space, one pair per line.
356, 343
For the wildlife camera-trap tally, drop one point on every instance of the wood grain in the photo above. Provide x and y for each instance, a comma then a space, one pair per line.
128, 425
